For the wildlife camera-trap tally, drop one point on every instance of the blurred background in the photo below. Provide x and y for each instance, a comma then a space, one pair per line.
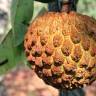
22, 81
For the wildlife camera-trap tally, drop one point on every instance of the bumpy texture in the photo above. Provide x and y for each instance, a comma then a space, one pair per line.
61, 48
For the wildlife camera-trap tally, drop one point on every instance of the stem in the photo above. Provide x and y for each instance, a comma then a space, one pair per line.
54, 6
74, 92
63, 5
68, 5
63, 93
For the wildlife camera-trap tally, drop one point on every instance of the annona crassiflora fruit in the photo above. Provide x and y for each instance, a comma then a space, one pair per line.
61, 48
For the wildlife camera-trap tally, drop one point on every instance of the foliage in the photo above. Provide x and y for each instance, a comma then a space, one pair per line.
11, 49
7, 52
87, 7
21, 14
45, 1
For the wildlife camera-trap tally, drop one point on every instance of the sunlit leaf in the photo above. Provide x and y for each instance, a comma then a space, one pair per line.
38, 11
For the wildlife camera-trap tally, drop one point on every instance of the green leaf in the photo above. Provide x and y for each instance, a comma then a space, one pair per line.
20, 55
7, 54
45, 1
21, 14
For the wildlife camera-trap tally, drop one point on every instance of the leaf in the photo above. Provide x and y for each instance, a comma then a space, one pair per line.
38, 11
20, 55
21, 14
45, 1
7, 54
6, 30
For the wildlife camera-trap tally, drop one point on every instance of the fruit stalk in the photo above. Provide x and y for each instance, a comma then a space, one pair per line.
75, 92
63, 93
63, 5
54, 6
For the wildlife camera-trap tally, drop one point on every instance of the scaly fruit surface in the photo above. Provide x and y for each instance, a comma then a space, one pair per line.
61, 48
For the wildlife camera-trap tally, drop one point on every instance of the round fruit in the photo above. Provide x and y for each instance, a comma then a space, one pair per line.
61, 48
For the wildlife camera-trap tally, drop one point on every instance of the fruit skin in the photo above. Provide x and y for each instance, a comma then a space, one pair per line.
61, 48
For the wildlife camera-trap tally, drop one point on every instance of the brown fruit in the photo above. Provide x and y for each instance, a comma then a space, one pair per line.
61, 47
